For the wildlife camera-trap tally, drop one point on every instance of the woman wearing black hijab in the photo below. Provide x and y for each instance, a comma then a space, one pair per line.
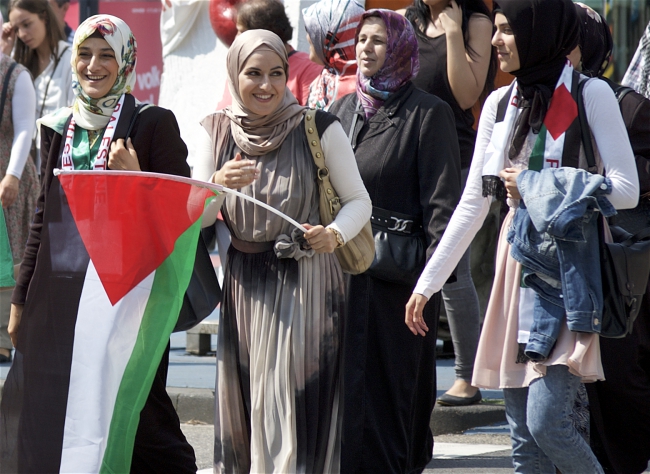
533, 126
620, 412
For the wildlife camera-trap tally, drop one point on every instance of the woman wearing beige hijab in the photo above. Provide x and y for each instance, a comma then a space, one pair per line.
278, 358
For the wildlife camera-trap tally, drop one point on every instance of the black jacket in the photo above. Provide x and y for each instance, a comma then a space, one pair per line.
157, 141
408, 156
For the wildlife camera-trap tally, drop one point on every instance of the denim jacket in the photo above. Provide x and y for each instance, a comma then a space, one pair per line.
554, 235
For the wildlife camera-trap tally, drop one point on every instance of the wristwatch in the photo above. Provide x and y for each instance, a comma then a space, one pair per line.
339, 238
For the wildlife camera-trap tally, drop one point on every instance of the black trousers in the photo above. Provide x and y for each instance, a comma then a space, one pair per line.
620, 406
160, 445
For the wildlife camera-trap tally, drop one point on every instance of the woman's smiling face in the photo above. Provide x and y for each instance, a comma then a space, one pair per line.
262, 82
97, 67
504, 41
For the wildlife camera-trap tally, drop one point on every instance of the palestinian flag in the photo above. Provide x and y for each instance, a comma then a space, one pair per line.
549, 149
117, 252
6, 259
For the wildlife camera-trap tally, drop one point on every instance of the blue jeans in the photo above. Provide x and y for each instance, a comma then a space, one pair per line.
542, 433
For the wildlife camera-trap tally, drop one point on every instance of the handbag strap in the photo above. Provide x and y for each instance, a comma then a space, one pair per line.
585, 131
5, 88
319, 159
134, 117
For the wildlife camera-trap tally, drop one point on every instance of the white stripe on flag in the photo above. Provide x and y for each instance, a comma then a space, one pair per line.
104, 339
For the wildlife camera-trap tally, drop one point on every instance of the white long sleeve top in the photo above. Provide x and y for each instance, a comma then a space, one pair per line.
344, 176
24, 121
613, 153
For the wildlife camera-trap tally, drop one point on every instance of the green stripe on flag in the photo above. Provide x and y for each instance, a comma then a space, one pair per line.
536, 161
160, 315
6, 258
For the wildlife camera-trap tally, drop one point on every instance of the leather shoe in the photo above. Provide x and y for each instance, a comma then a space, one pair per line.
453, 401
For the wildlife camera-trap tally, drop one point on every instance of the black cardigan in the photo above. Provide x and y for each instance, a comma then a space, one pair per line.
157, 141
408, 156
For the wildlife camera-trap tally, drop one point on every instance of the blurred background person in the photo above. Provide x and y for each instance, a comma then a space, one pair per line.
458, 65
18, 177
60, 9
271, 15
331, 25
620, 412
36, 39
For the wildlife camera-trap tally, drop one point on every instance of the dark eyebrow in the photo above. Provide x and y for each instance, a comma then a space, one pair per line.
103, 50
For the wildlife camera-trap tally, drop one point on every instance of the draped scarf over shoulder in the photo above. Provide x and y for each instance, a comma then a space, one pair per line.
402, 61
546, 31
94, 114
259, 134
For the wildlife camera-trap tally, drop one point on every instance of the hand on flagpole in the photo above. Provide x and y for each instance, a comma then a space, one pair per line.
509, 176
414, 319
236, 173
320, 239
8, 190
123, 157
14, 322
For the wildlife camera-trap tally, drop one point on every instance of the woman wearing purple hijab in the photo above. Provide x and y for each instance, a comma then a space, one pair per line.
406, 148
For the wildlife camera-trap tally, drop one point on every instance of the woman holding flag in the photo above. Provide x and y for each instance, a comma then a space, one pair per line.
278, 362
44, 430
532, 125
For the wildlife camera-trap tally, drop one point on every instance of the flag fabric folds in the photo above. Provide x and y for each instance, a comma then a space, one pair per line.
116, 256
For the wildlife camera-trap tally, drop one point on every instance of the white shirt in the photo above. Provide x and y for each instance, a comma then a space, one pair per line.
613, 147
24, 121
59, 92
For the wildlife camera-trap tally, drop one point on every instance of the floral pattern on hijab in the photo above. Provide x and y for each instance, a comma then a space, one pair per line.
596, 42
94, 114
256, 134
401, 65
331, 26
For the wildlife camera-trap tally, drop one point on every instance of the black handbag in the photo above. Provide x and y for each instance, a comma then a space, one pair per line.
400, 247
624, 262
203, 293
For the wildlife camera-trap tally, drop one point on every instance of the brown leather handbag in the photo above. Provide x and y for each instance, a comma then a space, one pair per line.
357, 254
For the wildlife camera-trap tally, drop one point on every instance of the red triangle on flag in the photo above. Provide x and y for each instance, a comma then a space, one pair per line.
130, 224
562, 112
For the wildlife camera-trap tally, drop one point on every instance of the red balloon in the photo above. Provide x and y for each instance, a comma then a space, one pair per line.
223, 18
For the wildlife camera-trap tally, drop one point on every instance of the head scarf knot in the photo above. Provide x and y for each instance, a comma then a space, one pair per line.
256, 134
546, 31
94, 114
402, 61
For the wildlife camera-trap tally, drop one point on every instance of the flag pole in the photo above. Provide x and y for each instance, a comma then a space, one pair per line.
217, 188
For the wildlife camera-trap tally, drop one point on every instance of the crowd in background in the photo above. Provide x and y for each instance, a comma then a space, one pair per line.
319, 371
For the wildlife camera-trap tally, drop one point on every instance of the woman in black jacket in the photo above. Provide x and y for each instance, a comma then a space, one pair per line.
407, 152
80, 138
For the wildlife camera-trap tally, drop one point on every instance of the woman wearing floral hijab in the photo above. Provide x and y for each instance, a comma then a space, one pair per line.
406, 148
103, 65
330, 26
